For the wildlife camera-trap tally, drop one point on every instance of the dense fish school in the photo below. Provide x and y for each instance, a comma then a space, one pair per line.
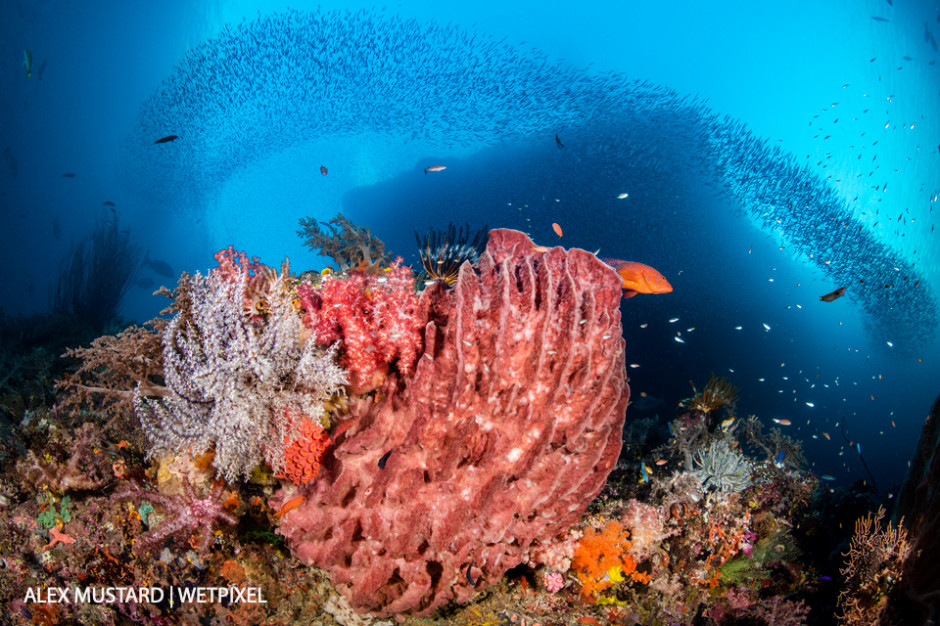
263, 86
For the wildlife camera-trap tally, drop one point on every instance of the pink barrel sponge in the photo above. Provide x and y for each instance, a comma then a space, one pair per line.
495, 445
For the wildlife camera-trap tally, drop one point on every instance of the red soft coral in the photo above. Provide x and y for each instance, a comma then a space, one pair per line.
375, 316
232, 263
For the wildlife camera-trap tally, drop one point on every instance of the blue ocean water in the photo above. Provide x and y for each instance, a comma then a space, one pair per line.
769, 155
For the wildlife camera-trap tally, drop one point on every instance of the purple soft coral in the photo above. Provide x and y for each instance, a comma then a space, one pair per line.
191, 512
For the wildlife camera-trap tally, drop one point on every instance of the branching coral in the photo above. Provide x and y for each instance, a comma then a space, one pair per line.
875, 560
112, 366
189, 515
689, 433
774, 443
778, 611
233, 375
350, 246
717, 393
722, 468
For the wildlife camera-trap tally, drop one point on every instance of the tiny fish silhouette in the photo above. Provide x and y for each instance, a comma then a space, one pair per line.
167, 139
558, 143
323, 170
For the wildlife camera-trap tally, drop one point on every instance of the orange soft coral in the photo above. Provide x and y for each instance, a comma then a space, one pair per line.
303, 454
599, 552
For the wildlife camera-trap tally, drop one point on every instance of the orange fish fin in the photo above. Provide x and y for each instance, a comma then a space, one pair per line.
629, 293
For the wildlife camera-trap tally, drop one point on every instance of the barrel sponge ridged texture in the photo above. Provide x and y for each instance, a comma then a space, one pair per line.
506, 431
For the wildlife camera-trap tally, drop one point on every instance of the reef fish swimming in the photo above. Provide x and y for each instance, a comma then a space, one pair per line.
167, 139
507, 82
833, 295
639, 278
435, 168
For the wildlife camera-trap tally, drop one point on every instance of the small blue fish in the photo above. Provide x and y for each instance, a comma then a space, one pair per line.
780, 456
828, 477
646, 477
824, 578
858, 447
384, 459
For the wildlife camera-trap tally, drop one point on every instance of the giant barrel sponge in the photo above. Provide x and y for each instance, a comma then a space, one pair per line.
497, 443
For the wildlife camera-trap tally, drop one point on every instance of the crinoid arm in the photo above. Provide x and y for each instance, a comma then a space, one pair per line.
717, 393
442, 253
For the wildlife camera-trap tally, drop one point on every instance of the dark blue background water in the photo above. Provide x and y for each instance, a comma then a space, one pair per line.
754, 144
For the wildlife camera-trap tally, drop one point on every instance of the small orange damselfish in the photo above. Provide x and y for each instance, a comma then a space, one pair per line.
639, 278
556, 228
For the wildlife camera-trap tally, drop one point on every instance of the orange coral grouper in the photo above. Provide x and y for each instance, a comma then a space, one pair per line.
639, 278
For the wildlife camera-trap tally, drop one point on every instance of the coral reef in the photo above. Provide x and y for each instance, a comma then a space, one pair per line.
720, 467
372, 318
646, 527
773, 443
235, 372
350, 246
112, 366
69, 461
476, 424
448, 478
873, 568
189, 514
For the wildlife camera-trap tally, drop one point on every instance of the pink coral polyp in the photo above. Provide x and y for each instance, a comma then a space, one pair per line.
496, 444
